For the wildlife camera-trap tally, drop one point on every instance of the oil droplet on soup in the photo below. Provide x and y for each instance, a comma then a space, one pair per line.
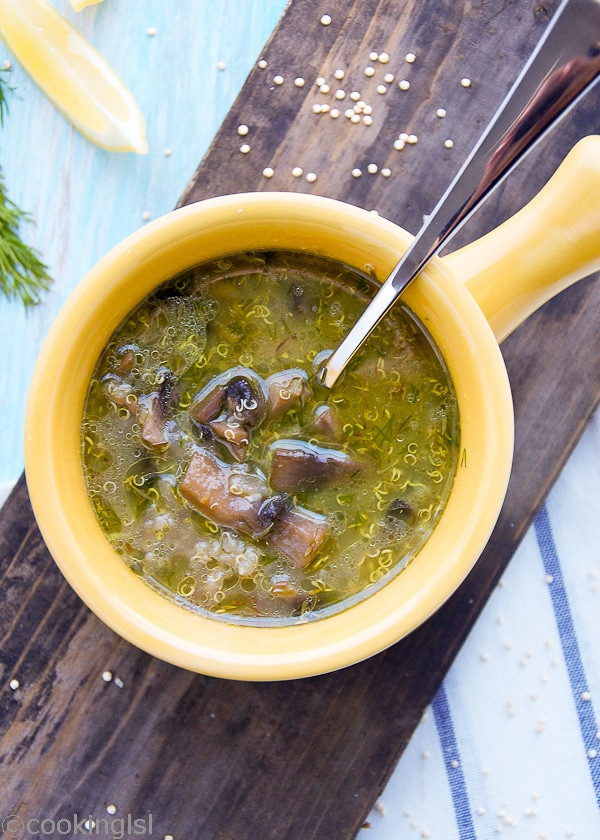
230, 480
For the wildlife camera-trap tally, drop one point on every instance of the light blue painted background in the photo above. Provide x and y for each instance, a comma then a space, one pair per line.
527, 775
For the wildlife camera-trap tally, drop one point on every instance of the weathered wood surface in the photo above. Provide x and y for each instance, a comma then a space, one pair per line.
302, 759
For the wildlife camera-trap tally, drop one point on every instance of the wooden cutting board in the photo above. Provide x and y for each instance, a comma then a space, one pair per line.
304, 759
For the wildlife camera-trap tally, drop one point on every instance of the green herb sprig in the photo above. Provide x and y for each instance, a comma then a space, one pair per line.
23, 275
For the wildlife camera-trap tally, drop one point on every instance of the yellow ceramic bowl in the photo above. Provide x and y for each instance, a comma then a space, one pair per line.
505, 281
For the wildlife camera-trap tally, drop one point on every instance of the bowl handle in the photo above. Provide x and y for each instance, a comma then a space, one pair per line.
552, 242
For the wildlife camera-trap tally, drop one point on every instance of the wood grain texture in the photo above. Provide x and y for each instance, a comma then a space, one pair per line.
302, 759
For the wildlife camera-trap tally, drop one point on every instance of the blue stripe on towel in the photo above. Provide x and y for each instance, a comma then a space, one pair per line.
585, 709
458, 788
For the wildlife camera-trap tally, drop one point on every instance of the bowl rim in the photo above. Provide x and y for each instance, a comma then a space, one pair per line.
55, 478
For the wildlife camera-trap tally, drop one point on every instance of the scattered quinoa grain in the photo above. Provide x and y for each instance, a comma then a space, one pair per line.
356, 172
465, 82
383, 58
316, 108
89, 824
349, 112
119, 682
311, 177
334, 113
355, 118
168, 152
7, 65
278, 80
592, 753
319, 81
242, 130
403, 136
548, 578
410, 58
151, 31
268, 172
367, 109
441, 113
586, 696
326, 20
381, 89
339, 74
14, 684
399, 145
389, 78
369, 71
324, 88
244, 148
404, 84
455, 763
146, 215
325, 108
449, 144
299, 81
263, 63
355, 96
386, 172
367, 119
340, 94
297, 171
412, 139
372, 168
107, 676
221, 65
111, 809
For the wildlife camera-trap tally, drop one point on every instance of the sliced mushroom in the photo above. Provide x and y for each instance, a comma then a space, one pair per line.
116, 390
125, 356
401, 510
245, 401
273, 507
286, 390
297, 466
206, 486
153, 410
299, 534
207, 404
235, 436
327, 422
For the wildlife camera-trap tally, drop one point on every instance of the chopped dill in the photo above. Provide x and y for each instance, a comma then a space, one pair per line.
23, 275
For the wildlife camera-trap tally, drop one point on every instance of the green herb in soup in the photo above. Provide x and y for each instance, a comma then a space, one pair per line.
235, 484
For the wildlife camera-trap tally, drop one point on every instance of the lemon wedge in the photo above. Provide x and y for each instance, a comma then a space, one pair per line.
73, 75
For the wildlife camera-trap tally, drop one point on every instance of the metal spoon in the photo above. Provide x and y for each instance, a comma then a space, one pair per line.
564, 66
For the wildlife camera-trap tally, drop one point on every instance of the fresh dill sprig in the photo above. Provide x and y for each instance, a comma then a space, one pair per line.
23, 276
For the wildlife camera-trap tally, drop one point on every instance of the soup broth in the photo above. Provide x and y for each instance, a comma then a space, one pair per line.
229, 479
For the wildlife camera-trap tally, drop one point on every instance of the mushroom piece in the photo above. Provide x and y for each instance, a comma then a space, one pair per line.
116, 390
245, 401
286, 390
153, 408
299, 534
231, 405
327, 422
207, 486
297, 466
401, 510
235, 437
207, 404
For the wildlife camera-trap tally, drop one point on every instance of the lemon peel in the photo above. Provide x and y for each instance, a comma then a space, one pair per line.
74, 76
78, 5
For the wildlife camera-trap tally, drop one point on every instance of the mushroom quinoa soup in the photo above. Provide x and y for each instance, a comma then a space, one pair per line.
235, 484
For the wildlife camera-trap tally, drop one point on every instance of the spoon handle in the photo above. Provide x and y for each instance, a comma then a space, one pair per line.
563, 68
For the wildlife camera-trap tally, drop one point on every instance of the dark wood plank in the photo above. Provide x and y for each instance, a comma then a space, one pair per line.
300, 759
